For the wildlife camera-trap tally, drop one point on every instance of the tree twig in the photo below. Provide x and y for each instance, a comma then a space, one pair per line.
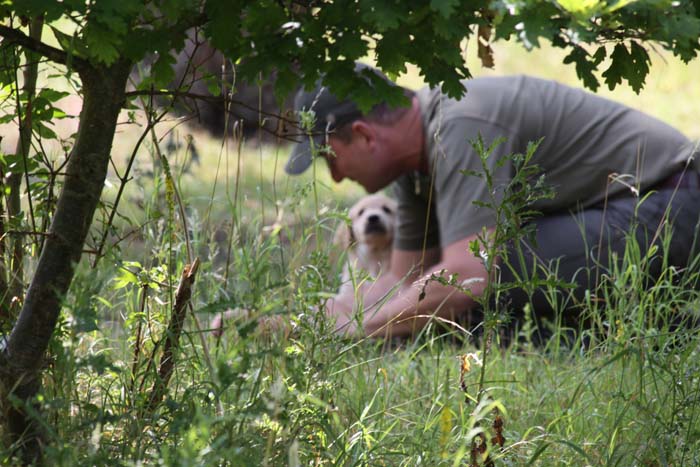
283, 128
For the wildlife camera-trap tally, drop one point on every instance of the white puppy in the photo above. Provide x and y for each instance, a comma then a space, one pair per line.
368, 241
368, 238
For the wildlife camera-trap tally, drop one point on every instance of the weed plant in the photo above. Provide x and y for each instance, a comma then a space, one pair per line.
624, 391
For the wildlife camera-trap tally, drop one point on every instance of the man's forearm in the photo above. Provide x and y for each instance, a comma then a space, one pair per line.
426, 298
369, 295
384, 288
412, 307
399, 306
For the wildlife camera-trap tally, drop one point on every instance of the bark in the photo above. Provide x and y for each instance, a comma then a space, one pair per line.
22, 360
4, 292
14, 208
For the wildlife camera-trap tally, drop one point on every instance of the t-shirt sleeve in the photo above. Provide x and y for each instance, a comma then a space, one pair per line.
458, 195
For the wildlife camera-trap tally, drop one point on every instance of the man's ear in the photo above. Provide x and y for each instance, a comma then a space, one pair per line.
364, 130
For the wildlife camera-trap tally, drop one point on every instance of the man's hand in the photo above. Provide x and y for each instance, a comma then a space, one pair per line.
403, 300
340, 308
266, 324
370, 294
424, 299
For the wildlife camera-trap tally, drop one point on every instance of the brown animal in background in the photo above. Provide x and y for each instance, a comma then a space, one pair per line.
197, 67
369, 237
199, 59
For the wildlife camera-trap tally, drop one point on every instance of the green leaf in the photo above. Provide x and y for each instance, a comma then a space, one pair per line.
52, 94
454, 88
681, 32
213, 84
14, 163
444, 7
285, 83
218, 306
221, 23
44, 131
386, 15
125, 278
618, 66
115, 16
174, 9
86, 319
162, 71
639, 67
98, 363
33, 8
140, 43
586, 65
391, 52
102, 43
42, 109
631, 65
540, 20
583, 9
72, 44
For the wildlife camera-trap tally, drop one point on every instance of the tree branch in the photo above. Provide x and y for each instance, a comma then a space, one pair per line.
208, 98
284, 127
57, 55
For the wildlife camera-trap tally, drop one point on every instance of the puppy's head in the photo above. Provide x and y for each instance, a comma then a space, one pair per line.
373, 219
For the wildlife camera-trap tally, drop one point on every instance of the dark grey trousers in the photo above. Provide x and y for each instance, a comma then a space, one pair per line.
579, 246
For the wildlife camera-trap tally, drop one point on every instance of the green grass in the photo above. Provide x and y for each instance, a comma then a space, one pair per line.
303, 396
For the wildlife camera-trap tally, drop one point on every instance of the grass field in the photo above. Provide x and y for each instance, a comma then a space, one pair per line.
625, 392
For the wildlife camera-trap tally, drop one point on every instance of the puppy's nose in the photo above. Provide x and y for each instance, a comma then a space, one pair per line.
375, 225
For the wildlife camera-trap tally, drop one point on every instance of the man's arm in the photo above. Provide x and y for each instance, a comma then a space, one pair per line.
412, 307
406, 267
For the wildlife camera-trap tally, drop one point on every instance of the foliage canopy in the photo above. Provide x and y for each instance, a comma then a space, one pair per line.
303, 40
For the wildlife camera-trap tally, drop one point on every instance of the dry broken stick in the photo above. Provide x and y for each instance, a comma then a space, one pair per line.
167, 360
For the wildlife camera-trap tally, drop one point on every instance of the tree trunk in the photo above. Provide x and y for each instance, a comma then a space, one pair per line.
14, 208
23, 358
4, 291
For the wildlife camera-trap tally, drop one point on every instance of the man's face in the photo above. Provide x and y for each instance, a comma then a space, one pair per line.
364, 161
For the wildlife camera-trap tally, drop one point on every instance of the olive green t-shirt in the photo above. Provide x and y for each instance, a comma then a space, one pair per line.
585, 138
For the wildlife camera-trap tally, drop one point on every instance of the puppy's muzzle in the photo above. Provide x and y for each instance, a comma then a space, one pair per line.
375, 225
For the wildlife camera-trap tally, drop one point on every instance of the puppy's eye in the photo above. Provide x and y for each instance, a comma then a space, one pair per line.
386, 209
362, 211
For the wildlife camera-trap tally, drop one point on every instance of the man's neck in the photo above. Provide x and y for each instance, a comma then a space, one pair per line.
409, 140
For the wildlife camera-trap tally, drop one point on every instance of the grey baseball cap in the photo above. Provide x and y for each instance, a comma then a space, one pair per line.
330, 113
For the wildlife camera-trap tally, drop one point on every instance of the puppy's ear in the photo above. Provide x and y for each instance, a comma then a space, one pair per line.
343, 236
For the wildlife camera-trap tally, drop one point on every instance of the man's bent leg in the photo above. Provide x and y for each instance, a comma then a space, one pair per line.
578, 248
